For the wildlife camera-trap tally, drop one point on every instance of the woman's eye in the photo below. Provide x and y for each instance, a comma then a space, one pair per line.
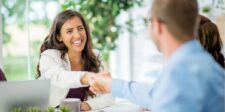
80, 29
69, 32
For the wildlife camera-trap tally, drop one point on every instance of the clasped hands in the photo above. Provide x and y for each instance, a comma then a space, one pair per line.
99, 82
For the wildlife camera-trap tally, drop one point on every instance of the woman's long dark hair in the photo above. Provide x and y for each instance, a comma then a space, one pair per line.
209, 37
91, 61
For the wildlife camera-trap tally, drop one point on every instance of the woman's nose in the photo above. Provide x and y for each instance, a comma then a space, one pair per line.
76, 34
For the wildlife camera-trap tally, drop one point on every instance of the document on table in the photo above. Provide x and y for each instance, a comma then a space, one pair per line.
121, 106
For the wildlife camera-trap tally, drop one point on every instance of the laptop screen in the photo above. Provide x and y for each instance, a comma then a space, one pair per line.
24, 94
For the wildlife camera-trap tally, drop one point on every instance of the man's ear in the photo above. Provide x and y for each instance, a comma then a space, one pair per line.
157, 25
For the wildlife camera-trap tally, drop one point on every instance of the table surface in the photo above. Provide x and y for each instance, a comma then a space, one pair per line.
122, 105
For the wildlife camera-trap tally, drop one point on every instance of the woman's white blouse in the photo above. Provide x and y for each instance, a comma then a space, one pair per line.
62, 79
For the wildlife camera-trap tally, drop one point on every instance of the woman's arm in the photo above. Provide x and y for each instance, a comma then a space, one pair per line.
51, 67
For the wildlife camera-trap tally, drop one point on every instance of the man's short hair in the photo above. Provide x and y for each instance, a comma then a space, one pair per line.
179, 16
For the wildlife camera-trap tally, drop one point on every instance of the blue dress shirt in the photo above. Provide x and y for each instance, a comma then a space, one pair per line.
191, 81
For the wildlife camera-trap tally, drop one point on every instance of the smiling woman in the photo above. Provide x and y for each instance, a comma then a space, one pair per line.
67, 58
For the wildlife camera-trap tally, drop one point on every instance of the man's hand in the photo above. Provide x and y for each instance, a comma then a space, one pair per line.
100, 82
84, 79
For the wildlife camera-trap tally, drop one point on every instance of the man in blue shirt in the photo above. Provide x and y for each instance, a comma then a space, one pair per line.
191, 81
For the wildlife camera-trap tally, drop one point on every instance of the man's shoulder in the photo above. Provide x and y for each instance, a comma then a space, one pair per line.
197, 64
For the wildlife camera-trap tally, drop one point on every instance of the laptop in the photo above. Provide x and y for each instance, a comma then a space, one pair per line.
24, 94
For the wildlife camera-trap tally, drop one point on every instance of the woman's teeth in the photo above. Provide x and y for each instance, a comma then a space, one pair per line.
77, 42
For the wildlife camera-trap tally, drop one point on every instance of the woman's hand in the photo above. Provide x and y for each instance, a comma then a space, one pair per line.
84, 106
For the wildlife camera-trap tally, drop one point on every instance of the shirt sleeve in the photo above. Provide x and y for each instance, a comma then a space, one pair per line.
51, 68
133, 91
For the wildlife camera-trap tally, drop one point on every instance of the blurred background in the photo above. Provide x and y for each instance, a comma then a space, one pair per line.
118, 30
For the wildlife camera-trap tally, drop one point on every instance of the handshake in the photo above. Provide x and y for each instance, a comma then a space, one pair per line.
99, 82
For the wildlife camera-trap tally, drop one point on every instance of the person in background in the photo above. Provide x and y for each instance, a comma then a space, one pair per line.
2, 76
190, 81
209, 37
66, 57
